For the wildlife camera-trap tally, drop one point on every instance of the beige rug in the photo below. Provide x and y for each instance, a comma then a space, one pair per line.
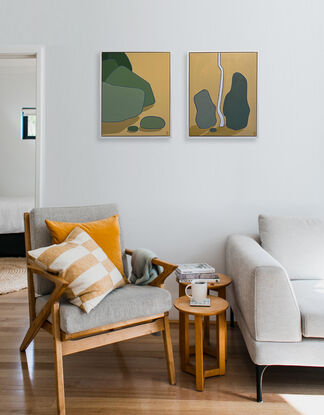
13, 274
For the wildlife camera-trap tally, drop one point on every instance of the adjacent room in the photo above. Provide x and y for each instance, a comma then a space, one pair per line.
161, 207
17, 163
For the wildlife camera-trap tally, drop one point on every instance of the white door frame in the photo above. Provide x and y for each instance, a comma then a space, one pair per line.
37, 51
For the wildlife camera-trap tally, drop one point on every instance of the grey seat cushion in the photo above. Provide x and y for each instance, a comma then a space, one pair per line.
126, 303
297, 243
310, 298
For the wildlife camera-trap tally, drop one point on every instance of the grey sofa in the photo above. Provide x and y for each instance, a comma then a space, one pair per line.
277, 293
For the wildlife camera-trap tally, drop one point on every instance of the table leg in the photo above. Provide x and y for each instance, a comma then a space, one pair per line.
206, 331
206, 328
222, 294
184, 339
181, 290
200, 380
221, 342
183, 332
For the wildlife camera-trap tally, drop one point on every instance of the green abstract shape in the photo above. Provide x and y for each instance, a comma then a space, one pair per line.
206, 110
120, 57
120, 104
152, 123
236, 108
126, 78
108, 66
132, 128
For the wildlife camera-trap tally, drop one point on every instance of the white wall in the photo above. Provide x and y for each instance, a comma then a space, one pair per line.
231, 180
17, 157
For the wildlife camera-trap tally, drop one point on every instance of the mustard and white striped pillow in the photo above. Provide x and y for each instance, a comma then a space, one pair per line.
82, 263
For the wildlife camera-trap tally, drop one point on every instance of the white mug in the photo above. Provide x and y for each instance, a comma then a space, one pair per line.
198, 290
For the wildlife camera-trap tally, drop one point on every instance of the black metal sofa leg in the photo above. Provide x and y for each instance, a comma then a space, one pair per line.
259, 371
232, 318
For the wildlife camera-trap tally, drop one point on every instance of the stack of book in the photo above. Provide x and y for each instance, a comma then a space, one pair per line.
202, 271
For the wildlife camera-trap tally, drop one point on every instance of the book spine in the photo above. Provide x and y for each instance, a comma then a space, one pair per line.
197, 276
194, 272
213, 280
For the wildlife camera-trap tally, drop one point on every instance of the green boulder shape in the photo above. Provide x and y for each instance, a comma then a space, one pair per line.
132, 128
120, 57
120, 104
108, 67
152, 123
122, 76
236, 108
206, 109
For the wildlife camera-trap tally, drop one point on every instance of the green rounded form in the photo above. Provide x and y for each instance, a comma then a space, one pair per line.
119, 103
108, 66
152, 123
122, 76
132, 128
120, 57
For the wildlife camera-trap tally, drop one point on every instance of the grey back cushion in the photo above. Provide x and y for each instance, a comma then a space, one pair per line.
297, 243
40, 235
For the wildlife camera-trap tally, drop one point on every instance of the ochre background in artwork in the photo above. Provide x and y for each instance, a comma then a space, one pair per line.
154, 67
204, 73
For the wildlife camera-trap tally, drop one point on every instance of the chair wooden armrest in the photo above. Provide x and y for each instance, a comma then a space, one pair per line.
168, 268
39, 320
55, 278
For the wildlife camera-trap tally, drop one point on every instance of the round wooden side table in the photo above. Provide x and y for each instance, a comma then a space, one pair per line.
218, 307
220, 287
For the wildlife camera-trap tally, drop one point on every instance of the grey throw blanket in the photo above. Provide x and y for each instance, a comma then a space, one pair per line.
143, 271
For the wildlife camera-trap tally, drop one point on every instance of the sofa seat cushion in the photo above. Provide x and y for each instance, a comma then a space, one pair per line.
297, 243
126, 303
310, 298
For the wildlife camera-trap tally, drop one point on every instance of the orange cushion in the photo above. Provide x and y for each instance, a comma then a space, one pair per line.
105, 232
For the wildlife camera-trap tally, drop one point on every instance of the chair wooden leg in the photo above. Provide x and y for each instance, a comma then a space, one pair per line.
37, 323
58, 356
169, 351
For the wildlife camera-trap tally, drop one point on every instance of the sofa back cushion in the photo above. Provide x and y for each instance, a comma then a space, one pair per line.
297, 243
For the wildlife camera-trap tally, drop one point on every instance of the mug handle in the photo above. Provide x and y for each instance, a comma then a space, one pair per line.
188, 286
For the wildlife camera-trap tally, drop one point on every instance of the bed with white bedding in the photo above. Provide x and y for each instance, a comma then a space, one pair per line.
12, 211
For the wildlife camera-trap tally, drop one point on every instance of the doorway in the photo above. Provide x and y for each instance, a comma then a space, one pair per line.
20, 137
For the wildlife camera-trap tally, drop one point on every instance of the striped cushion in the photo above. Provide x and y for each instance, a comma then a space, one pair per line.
81, 262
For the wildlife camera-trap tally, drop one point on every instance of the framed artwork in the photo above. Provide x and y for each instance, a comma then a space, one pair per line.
223, 94
135, 94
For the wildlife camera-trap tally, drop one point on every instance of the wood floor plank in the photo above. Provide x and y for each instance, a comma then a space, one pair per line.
131, 377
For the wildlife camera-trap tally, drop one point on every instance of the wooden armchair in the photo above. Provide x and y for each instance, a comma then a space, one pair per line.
72, 329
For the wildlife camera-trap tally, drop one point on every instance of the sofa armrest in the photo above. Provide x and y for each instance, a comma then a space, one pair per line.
262, 291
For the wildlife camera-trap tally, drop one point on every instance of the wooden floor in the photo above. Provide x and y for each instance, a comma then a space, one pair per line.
131, 377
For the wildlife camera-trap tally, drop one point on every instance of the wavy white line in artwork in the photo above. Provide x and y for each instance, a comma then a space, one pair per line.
220, 93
